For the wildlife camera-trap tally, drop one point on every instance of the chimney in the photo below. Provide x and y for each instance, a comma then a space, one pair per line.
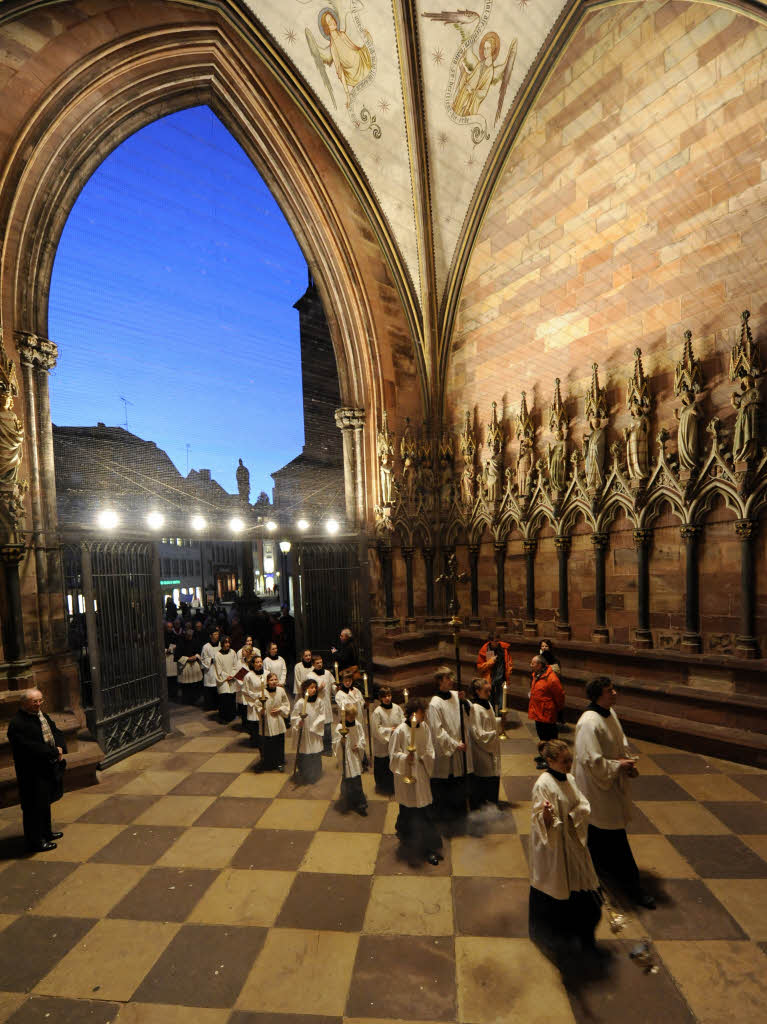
204, 474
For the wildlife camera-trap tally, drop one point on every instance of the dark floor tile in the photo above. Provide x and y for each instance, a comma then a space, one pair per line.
31, 946
138, 844
619, 990
514, 744
657, 787
118, 810
745, 817
688, 910
270, 848
204, 965
24, 884
491, 906
51, 1010
326, 902
682, 764
240, 744
392, 860
518, 788
244, 1017
640, 824
720, 856
386, 982
110, 782
12, 844
164, 894
337, 821
756, 784
323, 789
188, 762
763, 947
204, 783
491, 820
233, 812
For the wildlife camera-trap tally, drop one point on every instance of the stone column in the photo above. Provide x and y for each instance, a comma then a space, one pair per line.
642, 634
14, 645
563, 545
531, 626
428, 561
386, 571
500, 583
745, 642
351, 423
691, 641
600, 633
474, 572
407, 554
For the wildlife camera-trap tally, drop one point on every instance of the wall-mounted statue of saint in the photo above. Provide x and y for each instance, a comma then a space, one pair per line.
639, 404
688, 385
746, 371
386, 461
595, 443
556, 452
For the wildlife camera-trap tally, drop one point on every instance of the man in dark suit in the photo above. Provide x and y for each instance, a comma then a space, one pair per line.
38, 746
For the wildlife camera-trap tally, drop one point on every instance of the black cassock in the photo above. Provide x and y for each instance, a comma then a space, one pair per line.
37, 772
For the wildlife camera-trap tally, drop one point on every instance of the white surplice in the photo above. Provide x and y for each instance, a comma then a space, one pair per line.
444, 718
560, 862
354, 738
314, 725
383, 722
325, 687
252, 688
278, 666
277, 701
485, 741
207, 655
417, 766
224, 666
600, 744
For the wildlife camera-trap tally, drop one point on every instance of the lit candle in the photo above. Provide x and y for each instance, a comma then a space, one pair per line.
335, 670
365, 683
504, 706
405, 694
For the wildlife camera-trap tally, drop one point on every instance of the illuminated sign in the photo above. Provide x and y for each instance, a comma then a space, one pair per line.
169, 583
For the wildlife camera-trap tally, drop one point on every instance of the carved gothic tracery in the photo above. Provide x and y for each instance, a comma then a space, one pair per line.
639, 404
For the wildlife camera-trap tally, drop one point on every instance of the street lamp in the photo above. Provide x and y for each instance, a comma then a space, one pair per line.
284, 582
155, 520
303, 525
332, 526
284, 546
236, 525
198, 523
107, 519
271, 526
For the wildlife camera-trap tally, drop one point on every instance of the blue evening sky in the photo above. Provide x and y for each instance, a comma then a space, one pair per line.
173, 286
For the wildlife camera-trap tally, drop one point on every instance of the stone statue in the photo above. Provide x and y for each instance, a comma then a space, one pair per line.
445, 480
468, 450
638, 403
526, 437
11, 430
387, 489
557, 452
409, 452
467, 484
427, 487
493, 478
386, 461
596, 442
746, 371
688, 383
243, 482
493, 472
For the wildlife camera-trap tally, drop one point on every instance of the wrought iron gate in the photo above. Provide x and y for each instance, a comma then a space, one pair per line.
331, 594
113, 600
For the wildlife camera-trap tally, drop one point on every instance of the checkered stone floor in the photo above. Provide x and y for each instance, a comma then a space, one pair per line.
188, 888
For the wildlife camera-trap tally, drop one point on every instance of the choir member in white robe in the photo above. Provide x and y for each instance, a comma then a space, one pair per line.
603, 767
565, 901
447, 718
325, 688
187, 656
301, 671
274, 663
276, 706
209, 687
244, 657
253, 689
485, 746
225, 665
415, 826
384, 720
171, 668
309, 716
349, 749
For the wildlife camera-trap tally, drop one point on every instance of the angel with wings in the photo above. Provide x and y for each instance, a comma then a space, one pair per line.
480, 68
352, 63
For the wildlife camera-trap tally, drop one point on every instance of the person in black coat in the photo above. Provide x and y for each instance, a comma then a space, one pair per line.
346, 653
38, 747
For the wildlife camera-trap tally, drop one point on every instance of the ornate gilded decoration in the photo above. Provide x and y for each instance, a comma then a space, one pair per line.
595, 443
468, 451
639, 404
526, 437
408, 449
746, 371
386, 461
425, 478
688, 385
556, 453
493, 471
446, 454
12, 490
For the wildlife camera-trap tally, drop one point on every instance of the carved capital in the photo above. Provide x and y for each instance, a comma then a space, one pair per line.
474, 550
690, 531
642, 537
407, 553
36, 351
500, 550
529, 546
563, 544
12, 554
599, 540
746, 528
350, 419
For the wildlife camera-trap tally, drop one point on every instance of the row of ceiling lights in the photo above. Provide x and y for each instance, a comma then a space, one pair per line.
108, 519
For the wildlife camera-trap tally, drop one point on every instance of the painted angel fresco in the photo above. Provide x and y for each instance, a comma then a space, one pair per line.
352, 62
475, 69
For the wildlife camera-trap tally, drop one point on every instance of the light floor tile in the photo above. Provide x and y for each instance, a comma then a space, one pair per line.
73, 805
175, 810
159, 1013
368, 787
149, 760
90, 891
492, 856
658, 855
203, 848
746, 900
519, 764
721, 981
303, 815
342, 853
646, 766
523, 816
391, 818
9, 1003
244, 898
525, 985
407, 905
757, 843
206, 744
233, 763
110, 962
153, 783
682, 818
266, 785
306, 969
6, 919
81, 841
193, 728
714, 787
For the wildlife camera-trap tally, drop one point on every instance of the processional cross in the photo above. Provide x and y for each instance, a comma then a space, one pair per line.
451, 578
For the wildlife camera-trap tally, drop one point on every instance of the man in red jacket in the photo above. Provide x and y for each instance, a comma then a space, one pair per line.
494, 665
547, 698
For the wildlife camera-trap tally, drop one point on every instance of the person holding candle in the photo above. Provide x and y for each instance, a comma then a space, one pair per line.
347, 693
252, 688
225, 665
276, 706
385, 719
565, 900
485, 746
349, 748
325, 688
411, 758
309, 715
447, 717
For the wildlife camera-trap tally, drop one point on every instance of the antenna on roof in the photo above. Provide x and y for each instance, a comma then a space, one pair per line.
188, 447
126, 402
